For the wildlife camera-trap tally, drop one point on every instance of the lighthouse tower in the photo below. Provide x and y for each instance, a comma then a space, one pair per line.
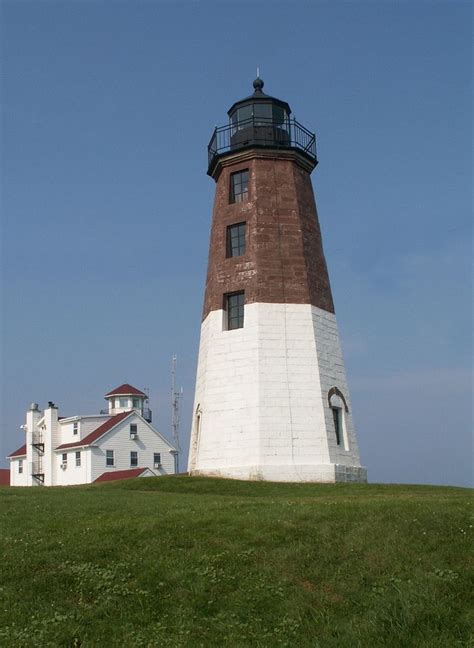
271, 399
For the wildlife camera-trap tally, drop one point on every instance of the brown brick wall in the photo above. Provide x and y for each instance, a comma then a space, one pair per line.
284, 260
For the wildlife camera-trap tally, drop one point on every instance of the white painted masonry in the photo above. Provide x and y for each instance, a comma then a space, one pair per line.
261, 407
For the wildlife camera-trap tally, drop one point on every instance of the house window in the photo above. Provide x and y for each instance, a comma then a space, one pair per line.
337, 416
64, 459
109, 458
75, 427
235, 240
133, 430
123, 402
239, 186
20, 466
157, 459
234, 306
78, 458
134, 459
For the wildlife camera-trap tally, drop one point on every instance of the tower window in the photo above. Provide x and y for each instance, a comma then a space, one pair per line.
123, 402
336, 414
235, 310
339, 409
136, 403
239, 186
109, 458
134, 458
235, 240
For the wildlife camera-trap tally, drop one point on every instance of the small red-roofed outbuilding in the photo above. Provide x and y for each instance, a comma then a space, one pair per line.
125, 474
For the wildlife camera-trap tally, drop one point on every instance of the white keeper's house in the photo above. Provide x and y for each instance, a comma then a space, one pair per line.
119, 442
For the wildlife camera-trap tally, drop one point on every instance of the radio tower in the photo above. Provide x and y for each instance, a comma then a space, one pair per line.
175, 403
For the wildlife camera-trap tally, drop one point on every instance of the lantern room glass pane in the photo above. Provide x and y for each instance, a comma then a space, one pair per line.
244, 113
262, 111
279, 114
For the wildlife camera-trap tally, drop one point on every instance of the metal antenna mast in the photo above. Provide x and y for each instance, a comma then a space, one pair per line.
175, 403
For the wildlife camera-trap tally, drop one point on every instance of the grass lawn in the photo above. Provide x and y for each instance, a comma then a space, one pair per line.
181, 561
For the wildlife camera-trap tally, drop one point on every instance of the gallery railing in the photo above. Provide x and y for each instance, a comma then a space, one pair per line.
259, 132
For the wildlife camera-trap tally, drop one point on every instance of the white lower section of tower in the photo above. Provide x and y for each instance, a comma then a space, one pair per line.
262, 408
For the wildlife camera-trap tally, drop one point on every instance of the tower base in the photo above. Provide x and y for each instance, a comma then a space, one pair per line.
323, 473
264, 399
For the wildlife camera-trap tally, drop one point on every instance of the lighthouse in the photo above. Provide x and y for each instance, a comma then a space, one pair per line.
271, 400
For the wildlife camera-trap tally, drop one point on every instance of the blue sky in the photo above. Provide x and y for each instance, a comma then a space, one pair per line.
107, 109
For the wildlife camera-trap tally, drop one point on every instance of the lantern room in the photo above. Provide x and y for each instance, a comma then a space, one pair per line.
260, 121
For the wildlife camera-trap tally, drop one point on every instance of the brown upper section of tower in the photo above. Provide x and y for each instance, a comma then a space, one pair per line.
281, 259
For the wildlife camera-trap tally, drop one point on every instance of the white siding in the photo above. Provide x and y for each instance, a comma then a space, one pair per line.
57, 433
17, 478
86, 425
71, 474
147, 443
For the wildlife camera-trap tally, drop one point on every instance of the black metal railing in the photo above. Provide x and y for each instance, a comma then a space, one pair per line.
259, 132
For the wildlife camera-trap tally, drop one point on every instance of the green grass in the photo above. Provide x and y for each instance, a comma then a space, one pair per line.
180, 561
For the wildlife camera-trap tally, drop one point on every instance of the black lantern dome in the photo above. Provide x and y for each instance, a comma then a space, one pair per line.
260, 121
259, 105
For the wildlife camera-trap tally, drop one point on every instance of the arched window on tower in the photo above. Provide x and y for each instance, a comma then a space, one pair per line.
194, 449
339, 410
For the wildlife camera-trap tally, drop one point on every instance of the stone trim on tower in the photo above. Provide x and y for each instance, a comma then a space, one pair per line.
334, 391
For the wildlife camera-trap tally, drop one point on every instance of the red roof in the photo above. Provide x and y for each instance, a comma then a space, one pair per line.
125, 390
98, 432
121, 474
4, 477
21, 452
